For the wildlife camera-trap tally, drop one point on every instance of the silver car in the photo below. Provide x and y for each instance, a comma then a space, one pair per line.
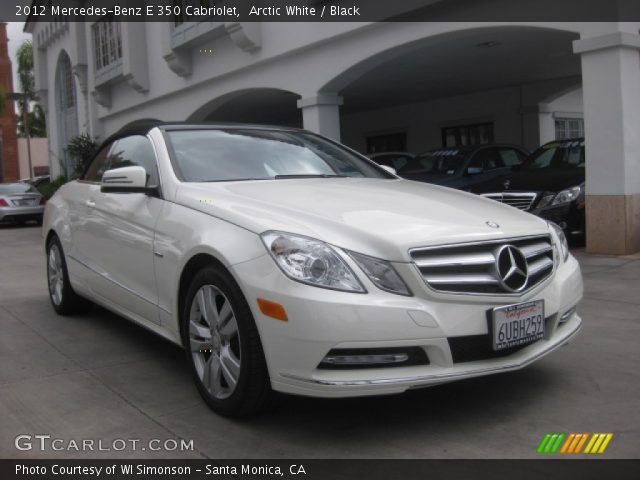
20, 202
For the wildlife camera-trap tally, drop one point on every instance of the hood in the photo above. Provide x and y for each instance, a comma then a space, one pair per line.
543, 180
435, 178
377, 217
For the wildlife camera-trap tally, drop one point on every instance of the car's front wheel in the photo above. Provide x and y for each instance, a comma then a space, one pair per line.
64, 299
223, 346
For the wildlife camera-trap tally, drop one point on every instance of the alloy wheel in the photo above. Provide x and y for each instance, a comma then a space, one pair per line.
55, 273
214, 340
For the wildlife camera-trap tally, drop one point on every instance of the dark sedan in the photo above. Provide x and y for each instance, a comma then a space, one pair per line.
463, 167
549, 184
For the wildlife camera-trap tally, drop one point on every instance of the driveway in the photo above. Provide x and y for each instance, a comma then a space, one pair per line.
100, 377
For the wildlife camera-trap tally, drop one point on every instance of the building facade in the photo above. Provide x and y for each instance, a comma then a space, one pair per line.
9, 170
374, 86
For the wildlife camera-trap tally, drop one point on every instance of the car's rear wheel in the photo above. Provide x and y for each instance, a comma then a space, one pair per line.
223, 345
64, 299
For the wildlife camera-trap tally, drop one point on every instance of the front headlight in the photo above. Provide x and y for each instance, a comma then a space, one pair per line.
381, 273
564, 245
567, 196
311, 261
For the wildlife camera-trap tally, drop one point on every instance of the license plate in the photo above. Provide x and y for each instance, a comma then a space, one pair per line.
519, 324
24, 203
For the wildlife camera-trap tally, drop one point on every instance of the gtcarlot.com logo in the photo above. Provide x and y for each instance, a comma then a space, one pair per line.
574, 443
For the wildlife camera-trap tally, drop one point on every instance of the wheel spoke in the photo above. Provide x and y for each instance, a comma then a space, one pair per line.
210, 306
230, 329
201, 346
230, 366
58, 293
200, 300
212, 375
196, 330
225, 314
52, 262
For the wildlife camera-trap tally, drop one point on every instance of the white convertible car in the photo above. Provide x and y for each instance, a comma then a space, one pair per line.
283, 261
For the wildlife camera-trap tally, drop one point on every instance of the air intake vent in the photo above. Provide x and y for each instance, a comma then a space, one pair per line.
499, 267
522, 201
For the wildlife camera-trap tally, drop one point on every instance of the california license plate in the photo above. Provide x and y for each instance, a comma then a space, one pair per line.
519, 324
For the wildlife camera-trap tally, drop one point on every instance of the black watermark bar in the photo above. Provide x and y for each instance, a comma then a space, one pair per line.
181, 11
584, 469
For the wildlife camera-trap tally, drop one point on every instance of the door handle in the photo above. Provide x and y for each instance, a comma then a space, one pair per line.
90, 203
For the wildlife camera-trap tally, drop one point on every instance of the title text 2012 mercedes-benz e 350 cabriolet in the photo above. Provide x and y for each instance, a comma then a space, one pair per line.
283, 261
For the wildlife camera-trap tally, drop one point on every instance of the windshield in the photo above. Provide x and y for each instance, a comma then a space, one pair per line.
13, 188
445, 162
253, 154
557, 155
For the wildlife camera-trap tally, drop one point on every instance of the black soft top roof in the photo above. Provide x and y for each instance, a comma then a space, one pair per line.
143, 127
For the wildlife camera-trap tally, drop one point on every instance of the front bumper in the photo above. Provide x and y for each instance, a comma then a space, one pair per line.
321, 320
21, 213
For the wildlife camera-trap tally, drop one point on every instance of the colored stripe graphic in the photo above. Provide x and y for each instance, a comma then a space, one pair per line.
573, 443
551, 442
598, 442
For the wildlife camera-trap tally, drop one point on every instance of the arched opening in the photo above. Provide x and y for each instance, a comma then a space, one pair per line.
261, 105
468, 86
66, 110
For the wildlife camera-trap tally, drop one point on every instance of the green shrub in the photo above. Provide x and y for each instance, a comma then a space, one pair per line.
81, 149
47, 190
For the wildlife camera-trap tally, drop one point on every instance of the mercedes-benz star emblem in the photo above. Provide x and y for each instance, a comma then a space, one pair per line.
507, 184
512, 269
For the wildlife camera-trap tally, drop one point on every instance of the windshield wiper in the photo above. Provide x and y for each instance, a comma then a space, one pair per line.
308, 175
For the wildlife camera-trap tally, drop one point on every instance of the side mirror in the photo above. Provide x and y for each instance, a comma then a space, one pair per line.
389, 169
474, 170
126, 180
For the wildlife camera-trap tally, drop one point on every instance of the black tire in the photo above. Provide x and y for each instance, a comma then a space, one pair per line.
252, 392
70, 302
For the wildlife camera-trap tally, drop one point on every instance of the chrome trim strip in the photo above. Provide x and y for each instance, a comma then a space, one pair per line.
439, 376
545, 236
457, 259
520, 200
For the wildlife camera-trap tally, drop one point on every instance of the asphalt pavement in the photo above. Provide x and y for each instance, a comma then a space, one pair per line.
99, 377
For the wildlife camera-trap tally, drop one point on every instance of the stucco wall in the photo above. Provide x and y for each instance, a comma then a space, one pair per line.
39, 155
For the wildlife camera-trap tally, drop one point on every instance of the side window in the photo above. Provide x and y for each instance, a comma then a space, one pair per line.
488, 159
98, 166
511, 157
132, 151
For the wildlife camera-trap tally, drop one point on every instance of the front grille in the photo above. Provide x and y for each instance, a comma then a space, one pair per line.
522, 201
473, 267
474, 348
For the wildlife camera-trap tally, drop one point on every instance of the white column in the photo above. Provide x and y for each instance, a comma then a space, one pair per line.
321, 114
611, 83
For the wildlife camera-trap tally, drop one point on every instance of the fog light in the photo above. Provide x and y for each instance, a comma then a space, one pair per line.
354, 358
566, 315
365, 359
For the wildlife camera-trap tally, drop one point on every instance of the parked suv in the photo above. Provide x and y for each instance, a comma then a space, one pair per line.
463, 167
549, 184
